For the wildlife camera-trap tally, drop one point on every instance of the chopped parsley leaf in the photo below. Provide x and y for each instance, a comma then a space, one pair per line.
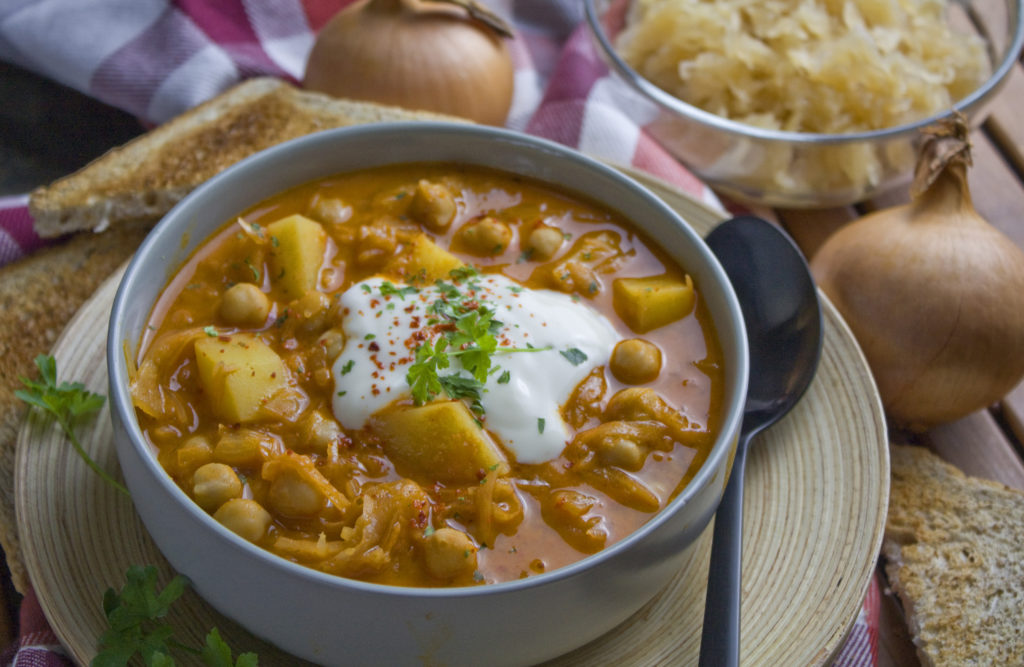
574, 355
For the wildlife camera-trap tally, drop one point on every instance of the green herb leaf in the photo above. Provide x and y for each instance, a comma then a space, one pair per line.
211, 331
458, 386
67, 403
135, 618
540, 424
504, 377
347, 368
216, 653
422, 374
136, 626
464, 272
574, 355
388, 289
255, 271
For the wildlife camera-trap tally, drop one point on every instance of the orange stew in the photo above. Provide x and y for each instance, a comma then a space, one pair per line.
430, 375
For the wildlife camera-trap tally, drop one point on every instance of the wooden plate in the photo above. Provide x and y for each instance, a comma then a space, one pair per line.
816, 495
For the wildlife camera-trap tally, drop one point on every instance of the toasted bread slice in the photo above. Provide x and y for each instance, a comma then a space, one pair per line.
147, 176
955, 557
39, 294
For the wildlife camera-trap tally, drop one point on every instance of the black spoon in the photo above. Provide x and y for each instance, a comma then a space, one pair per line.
783, 320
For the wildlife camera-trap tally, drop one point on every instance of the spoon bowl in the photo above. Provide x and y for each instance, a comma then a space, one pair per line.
782, 316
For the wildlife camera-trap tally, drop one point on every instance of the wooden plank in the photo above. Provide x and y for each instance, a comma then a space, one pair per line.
895, 648
1003, 123
810, 228
996, 189
1013, 412
979, 447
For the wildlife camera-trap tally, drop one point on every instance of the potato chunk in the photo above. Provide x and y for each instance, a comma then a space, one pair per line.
438, 441
423, 259
648, 303
239, 375
296, 254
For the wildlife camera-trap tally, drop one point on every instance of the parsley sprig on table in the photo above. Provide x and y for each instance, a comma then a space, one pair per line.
469, 333
68, 403
135, 616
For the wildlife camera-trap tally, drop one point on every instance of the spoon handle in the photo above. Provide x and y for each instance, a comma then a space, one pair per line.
720, 637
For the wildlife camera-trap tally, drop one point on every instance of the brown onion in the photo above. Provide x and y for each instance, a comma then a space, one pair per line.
933, 293
445, 56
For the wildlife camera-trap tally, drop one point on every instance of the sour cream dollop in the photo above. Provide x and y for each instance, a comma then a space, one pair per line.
384, 322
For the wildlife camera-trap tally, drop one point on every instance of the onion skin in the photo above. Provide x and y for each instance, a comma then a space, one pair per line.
934, 295
414, 54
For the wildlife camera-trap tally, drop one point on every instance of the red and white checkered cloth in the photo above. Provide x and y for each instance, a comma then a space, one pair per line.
157, 58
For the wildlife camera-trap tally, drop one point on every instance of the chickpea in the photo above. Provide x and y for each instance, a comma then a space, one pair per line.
636, 361
433, 205
488, 236
291, 495
621, 452
246, 518
449, 553
331, 210
543, 242
244, 304
214, 484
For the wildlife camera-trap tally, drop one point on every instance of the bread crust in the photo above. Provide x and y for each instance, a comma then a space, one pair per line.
39, 294
954, 549
146, 177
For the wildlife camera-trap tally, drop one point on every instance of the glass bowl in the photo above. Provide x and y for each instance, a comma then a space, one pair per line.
797, 169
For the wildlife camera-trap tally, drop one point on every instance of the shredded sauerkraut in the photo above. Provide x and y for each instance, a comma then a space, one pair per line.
812, 66
823, 66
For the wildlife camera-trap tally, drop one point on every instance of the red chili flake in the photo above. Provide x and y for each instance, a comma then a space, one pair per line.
373, 347
374, 303
375, 391
411, 307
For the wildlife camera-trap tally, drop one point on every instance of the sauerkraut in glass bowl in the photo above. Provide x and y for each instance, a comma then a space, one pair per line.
804, 103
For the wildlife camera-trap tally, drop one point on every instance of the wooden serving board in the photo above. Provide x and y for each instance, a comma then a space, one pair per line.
815, 501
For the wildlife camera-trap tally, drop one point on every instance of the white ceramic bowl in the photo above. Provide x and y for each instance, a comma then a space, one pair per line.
331, 620
744, 161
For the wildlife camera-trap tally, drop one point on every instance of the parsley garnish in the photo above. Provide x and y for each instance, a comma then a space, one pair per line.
67, 403
540, 424
469, 333
388, 289
464, 272
574, 355
255, 271
347, 368
136, 626
210, 331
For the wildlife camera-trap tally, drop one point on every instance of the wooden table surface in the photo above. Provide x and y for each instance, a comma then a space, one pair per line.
985, 444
